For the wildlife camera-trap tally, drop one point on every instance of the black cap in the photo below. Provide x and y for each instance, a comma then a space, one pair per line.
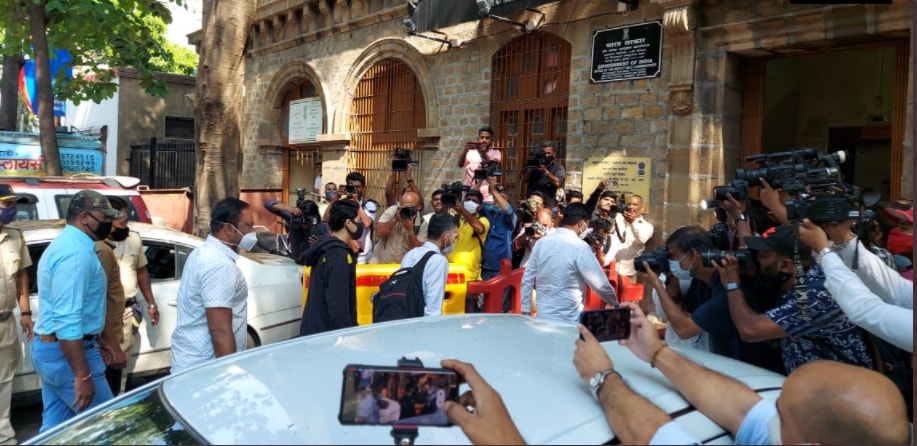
781, 239
7, 194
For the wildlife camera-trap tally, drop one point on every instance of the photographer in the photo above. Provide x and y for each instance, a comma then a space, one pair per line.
607, 208
807, 320
476, 155
397, 229
531, 232
303, 225
544, 174
499, 242
393, 187
330, 192
366, 213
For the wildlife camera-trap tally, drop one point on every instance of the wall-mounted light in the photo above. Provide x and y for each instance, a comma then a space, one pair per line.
484, 8
410, 28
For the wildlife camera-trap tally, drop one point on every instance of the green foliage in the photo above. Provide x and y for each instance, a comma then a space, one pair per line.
100, 35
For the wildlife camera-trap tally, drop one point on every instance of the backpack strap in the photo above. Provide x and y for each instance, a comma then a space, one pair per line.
423, 260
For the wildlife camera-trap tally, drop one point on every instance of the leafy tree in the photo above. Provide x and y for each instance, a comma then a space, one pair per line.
100, 35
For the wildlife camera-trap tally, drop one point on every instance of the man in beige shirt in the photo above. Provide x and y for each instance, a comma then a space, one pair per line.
128, 249
14, 288
395, 231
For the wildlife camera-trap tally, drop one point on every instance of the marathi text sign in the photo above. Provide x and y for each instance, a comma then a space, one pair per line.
627, 174
20, 154
305, 120
627, 52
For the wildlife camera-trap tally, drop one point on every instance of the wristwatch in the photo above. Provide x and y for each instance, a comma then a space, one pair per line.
595, 383
732, 286
741, 217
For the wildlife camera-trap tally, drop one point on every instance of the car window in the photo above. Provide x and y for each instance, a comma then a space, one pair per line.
27, 211
63, 202
161, 261
35, 252
142, 418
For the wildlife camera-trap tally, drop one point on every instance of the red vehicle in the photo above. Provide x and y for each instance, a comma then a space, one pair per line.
49, 196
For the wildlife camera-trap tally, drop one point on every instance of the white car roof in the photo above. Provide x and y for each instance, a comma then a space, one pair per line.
290, 392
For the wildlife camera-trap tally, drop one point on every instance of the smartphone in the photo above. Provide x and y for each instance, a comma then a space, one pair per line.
607, 325
386, 395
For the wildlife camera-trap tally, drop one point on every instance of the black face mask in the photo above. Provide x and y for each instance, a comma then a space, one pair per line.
119, 234
358, 233
102, 229
549, 159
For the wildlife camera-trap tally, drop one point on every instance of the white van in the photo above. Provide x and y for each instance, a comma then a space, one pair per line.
49, 196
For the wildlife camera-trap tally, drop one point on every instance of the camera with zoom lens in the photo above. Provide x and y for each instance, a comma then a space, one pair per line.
535, 228
822, 208
407, 212
746, 259
592, 238
528, 209
402, 159
620, 205
452, 193
657, 259
299, 223
536, 160
490, 168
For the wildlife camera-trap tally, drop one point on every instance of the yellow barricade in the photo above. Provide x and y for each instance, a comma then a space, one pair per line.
369, 277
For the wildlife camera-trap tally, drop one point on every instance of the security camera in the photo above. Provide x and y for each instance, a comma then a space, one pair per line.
409, 26
483, 7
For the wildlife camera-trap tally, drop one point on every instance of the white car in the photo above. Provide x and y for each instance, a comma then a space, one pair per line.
274, 297
290, 393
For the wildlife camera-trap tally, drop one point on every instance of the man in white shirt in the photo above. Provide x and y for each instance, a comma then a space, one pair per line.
885, 309
560, 267
442, 232
212, 297
633, 231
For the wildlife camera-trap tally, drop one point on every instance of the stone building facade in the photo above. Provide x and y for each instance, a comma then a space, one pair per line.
734, 75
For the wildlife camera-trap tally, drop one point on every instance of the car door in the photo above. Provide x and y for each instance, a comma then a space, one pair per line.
165, 261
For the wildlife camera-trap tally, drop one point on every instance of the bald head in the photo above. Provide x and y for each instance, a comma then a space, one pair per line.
545, 217
830, 402
410, 198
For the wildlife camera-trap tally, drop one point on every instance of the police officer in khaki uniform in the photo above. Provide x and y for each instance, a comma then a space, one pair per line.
14, 286
128, 248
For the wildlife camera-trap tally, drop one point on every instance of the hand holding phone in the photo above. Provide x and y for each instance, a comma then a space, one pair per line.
386, 395
607, 325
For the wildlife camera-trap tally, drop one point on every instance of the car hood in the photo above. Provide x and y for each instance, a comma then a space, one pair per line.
290, 392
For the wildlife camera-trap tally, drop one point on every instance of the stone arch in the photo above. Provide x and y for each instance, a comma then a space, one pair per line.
375, 52
289, 75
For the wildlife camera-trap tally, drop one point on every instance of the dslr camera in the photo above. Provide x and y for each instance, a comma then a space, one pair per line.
407, 212
452, 193
592, 238
300, 223
490, 168
746, 259
657, 259
620, 205
535, 228
402, 159
527, 209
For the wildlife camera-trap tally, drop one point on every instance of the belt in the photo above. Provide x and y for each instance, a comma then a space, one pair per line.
53, 338
130, 302
5, 315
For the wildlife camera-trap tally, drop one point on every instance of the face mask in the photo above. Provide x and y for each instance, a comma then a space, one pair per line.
549, 159
102, 230
358, 232
248, 241
471, 207
119, 234
7, 215
584, 233
680, 274
329, 195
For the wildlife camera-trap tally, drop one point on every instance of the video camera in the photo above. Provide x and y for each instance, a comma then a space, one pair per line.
793, 170
491, 168
657, 259
719, 233
822, 208
452, 193
402, 160
536, 159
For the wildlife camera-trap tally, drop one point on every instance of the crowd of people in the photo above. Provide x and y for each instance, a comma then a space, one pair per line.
802, 299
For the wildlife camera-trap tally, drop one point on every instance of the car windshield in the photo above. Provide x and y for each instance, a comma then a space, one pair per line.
138, 419
63, 202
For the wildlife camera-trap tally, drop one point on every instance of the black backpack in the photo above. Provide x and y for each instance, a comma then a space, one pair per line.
401, 295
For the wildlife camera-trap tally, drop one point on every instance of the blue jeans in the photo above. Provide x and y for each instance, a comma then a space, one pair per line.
57, 380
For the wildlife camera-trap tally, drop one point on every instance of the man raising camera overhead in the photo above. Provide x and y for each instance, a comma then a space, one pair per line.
476, 155
544, 174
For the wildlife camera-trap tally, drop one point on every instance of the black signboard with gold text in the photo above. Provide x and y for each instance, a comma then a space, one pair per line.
627, 52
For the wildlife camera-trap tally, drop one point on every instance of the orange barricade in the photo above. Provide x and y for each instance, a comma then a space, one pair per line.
493, 289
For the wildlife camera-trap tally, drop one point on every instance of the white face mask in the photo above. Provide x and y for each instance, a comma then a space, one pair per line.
448, 249
248, 240
675, 268
471, 207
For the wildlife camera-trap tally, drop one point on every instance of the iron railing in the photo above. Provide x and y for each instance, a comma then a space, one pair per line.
164, 165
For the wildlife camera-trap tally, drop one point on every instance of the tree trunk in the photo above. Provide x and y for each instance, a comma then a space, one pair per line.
9, 91
218, 105
47, 130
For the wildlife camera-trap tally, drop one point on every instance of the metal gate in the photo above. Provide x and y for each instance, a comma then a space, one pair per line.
164, 165
529, 96
387, 110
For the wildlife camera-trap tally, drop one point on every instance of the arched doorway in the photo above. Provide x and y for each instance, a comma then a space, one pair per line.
387, 109
529, 97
